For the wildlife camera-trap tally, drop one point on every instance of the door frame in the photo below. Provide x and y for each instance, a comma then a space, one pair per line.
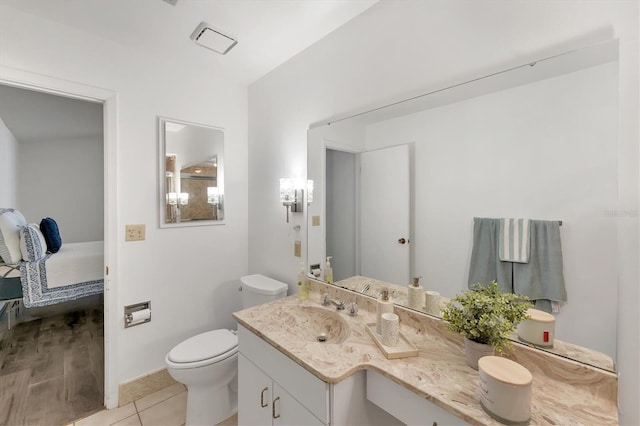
28, 80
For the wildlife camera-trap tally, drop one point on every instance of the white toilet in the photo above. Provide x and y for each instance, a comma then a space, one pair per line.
208, 362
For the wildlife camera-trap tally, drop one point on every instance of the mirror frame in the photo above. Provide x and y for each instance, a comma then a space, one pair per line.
162, 186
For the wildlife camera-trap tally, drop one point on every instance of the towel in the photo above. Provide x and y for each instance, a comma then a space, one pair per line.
542, 278
485, 265
514, 240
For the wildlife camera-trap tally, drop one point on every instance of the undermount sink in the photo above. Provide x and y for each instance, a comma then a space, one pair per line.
316, 324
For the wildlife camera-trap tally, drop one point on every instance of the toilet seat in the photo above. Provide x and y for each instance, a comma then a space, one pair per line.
203, 349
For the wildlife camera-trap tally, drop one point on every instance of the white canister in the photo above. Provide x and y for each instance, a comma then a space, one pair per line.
505, 389
538, 329
432, 303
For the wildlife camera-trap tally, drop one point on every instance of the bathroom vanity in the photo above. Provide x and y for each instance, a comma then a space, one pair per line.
287, 377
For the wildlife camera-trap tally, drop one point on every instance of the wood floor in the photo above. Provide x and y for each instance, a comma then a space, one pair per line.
52, 368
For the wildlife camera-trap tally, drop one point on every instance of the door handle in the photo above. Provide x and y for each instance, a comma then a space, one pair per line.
273, 409
402, 241
262, 404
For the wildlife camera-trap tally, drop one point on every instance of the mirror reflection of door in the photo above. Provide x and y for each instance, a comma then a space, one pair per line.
373, 186
385, 214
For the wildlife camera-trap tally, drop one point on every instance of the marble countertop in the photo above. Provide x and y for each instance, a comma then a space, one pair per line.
563, 393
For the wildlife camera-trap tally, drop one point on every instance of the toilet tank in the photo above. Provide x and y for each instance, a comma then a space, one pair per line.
257, 289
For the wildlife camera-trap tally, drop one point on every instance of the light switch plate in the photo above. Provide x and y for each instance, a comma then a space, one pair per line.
135, 233
297, 249
315, 220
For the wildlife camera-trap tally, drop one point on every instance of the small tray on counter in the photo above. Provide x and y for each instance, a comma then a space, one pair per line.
404, 349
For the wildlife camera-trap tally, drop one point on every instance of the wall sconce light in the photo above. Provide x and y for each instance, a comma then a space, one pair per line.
184, 198
172, 198
291, 195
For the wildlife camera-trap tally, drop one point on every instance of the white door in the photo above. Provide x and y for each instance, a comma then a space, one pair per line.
385, 214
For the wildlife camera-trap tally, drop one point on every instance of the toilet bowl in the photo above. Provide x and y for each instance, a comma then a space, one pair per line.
208, 362
208, 365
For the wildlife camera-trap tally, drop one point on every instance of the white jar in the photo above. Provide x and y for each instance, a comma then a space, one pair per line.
505, 389
539, 329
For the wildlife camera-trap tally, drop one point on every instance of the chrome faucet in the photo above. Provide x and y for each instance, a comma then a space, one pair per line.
326, 301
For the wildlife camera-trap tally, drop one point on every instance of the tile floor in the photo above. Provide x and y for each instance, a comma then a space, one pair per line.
167, 407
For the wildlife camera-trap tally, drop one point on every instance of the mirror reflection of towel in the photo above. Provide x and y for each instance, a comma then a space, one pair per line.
514, 240
540, 279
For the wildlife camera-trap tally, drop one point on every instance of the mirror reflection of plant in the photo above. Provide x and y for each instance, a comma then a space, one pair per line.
486, 315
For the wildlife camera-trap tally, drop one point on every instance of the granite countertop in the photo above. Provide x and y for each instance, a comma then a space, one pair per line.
439, 373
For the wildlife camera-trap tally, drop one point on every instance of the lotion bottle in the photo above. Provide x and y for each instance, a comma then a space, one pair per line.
303, 283
328, 270
416, 294
385, 305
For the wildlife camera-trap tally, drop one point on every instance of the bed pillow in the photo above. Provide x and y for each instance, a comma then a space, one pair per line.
51, 233
32, 243
11, 222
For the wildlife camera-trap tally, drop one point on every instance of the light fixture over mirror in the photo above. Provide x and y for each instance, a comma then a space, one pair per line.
191, 178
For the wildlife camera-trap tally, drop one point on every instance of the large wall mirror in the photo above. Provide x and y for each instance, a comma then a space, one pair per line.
191, 181
397, 188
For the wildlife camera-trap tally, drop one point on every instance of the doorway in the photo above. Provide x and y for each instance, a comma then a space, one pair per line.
41, 83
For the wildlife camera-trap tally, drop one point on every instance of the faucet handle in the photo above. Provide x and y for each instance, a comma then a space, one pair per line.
352, 309
325, 300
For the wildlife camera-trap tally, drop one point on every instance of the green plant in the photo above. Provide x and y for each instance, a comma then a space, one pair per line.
485, 314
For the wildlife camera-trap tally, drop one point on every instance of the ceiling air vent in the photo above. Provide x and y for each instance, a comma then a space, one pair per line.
213, 39
171, 2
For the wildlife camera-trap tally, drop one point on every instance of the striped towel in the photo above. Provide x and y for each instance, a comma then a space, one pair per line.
513, 244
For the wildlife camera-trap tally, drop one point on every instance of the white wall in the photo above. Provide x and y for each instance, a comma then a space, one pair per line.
546, 150
8, 162
189, 274
399, 48
63, 180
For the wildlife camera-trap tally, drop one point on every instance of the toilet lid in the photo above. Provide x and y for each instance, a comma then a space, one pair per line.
204, 346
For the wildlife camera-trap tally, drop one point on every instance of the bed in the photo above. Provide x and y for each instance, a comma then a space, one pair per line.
75, 271
37, 268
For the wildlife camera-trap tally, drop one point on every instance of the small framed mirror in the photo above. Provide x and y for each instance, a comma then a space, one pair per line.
191, 178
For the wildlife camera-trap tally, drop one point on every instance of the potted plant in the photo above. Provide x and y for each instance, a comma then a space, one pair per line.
486, 317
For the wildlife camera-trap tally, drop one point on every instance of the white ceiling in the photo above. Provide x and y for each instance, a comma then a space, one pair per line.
40, 117
269, 32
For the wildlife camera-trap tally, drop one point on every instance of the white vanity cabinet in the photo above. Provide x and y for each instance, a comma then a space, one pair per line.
407, 406
267, 383
274, 390
263, 401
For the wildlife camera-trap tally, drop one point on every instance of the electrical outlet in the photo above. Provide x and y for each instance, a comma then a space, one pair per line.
297, 249
135, 233
315, 220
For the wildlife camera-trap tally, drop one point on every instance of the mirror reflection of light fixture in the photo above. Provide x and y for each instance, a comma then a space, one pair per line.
184, 198
291, 195
213, 195
309, 191
172, 198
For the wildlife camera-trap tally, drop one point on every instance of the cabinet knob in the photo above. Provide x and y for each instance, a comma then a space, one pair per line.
273, 409
262, 403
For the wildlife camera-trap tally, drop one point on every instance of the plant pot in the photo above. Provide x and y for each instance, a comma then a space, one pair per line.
473, 351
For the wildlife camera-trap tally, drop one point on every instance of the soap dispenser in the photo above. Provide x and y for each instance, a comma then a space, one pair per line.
328, 270
303, 283
416, 294
385, 305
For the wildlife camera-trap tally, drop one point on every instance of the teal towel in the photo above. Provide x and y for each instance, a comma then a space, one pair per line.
542, 277
485, 266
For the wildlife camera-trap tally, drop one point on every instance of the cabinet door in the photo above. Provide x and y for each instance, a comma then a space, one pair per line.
286, 410
254, 394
